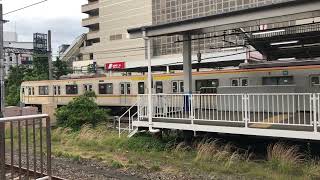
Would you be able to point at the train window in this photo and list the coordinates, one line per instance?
(207, 83)
(56, 90)
(315, 80)
(239, 82)
(159, 87)
(87, 87)
(177, 86)
(43, 90)
(122, 89)
(244, 82)
(181, 86)
(71, 89)
(128, 88)
(125, 88)
(141, 88)
(234, 82)
(106, 88)
(276, 81)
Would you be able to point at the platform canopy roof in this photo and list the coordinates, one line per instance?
(273, 13)
(292, 42)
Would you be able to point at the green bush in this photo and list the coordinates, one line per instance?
(80, 111)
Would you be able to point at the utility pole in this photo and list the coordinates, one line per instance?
(50, 55)
(2, 62)
(2, 125)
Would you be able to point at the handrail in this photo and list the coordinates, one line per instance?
(128, 111)
(20, 118)
(135, 104)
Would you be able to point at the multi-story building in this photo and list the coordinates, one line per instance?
(107, 40)
(16, 52)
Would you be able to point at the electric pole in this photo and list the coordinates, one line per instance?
(50, 55)
(2, 62)
(2, 125)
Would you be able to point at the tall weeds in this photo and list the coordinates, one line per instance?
(214, 151)
(284, 158)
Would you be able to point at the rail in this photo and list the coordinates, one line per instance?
(28, 155)
(273, 110)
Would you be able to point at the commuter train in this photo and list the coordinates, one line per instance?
(122, 91)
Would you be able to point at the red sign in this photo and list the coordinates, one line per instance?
(115, 65)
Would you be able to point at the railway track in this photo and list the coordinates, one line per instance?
(17, 173)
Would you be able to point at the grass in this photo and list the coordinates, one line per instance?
(168, 154)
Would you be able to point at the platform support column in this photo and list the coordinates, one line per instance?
(315, 99)
(187, 70)
(187, 64)
(150, 104)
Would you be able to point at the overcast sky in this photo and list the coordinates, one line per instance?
(63, 17)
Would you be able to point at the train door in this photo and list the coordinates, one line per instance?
(177, 87)
(125, 90)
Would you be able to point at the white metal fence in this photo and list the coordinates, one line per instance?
(295, 109)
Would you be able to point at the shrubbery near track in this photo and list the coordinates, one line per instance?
(80, 111)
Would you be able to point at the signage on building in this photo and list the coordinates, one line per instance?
(115, 65)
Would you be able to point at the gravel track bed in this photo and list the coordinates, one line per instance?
(93, 170)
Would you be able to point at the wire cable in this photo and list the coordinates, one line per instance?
(25, 7)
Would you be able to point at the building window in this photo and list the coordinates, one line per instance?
(106, 88)
(91, 56)
(71, 89)
(115, 37)
(43, 90)
(277, 81)
(141, 88)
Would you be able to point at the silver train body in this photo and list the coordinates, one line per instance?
(122, 91)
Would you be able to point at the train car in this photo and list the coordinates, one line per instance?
(122, 91)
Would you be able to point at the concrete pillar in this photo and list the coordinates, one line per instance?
(187, 63)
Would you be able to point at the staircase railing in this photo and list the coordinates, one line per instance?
(131, 115)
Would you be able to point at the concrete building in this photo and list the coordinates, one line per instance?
(108, 45)
(16, 52)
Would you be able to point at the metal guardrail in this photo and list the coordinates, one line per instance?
(29, 145)
(289, 109)
(130, 115)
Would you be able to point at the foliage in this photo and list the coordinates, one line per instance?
(284, 158)
(60, 68)
(18, 74)
(80, 111)
(13, 84)
(222, 161)
(39, 70)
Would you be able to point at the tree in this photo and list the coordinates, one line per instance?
(60, 68)
(80, 111)
(13, 84)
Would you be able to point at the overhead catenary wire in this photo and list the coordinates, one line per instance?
(25, 7)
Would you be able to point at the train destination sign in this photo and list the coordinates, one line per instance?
(115, 65)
